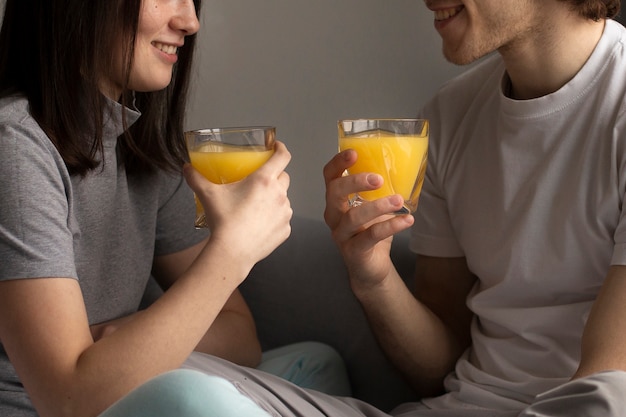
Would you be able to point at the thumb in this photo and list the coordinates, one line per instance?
(194, 179)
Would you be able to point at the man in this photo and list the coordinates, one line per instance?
(520, 300)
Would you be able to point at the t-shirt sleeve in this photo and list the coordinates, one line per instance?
(619, 250)
(35, 234)
(432, 233)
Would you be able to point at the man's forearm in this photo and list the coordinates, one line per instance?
(414, 339)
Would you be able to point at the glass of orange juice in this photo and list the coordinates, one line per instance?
(225, 155)
(396, 149)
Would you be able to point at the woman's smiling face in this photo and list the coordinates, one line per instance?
(162, 28)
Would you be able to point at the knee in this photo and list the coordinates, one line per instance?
(311, 358)
(185, 393)
(321, 354)
(309, 364)
(326, 369)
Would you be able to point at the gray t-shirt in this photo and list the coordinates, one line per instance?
(103, 229)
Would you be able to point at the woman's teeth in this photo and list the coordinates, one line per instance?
(168, 49)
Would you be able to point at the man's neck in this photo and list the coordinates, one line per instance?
(541, 62)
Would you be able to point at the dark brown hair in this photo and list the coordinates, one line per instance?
(54, 52)
(596, 9)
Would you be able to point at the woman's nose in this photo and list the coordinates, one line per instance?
(186, 19)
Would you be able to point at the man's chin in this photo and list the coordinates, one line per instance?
(461, 58)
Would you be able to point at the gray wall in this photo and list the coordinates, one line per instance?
(301, 65)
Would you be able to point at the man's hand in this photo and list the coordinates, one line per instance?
(363, 233)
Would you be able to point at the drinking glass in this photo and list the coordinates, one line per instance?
(396, 149)
(225, 155)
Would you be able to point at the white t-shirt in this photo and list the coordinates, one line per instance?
(530, 193)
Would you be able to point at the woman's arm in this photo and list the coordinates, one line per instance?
(43, 321)
(45, 332)
(233, 334)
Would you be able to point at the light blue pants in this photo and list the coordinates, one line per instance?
(185, 393)
(192, 391)
(309, 365)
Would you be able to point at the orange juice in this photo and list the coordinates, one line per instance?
(225, 155)
(399, 159)
(221, 163)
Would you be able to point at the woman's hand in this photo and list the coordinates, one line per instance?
(364, 233)
(252, 215)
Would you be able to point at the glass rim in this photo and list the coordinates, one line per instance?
(230, 129)
(385, 119)
(399, 127)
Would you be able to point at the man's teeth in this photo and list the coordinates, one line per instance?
(447, 13)
(168, 49)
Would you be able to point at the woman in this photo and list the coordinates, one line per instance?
(92, 98)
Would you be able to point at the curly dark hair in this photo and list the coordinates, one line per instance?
(596, 9)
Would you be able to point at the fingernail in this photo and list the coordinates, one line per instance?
(396, 200)
(374, 179)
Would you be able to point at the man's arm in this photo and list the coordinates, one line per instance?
(424, 334)
(604, 338)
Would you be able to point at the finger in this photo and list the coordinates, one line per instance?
(392, 225)
(339, 190)
(284, 179)
(277, 162)
(195, 180)
(380, 231)
(338, 164)
(336, 202)
(366, 216)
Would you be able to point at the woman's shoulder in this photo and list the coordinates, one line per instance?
(23, 143)
(18, 126)
(14, 109)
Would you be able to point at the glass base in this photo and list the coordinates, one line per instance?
(201, 222)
